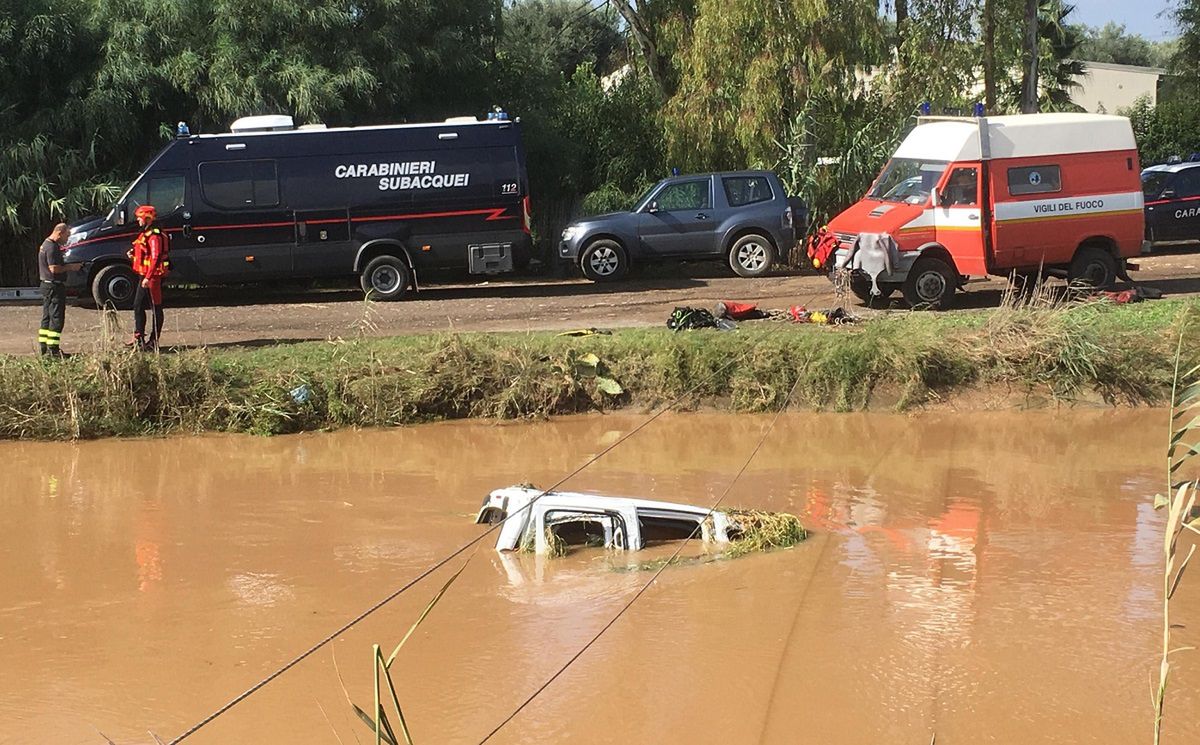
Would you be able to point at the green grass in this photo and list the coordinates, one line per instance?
(1121, 354)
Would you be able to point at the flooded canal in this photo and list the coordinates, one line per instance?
(988, 577)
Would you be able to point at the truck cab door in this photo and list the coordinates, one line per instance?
(168, 193)
(679, 220)
(958, 218)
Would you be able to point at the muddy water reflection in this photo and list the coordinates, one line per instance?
(988, 577)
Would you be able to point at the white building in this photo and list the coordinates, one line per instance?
(1104, 87)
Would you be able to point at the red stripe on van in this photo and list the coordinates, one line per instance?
(495, 213)
(1168, 201)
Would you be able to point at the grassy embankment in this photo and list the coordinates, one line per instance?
(1091, 351)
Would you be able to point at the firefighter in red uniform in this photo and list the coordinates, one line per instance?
(149, 256)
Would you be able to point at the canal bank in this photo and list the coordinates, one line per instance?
(1096, 353)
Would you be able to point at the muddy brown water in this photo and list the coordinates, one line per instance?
(988, 577)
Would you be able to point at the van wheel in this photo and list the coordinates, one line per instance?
(114, 285)
(751, 255)
(1092, 267)
(603, 261)
(860, 285)
(930, 284)
(386, 278)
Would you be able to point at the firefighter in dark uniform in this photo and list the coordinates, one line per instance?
(52, 271)
(149, 256)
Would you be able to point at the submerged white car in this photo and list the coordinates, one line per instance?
(619, 523)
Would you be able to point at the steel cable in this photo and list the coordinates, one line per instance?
(654, 577)
(495, 526)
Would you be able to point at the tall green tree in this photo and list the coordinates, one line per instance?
(748, 68)
(50, 153)
(1114, 44)
(1186, 61)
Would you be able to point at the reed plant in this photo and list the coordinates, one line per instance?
(1179, 501)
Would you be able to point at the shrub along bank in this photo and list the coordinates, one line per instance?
(1119, 354)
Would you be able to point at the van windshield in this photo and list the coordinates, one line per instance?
(907, 180)
(1153, 183)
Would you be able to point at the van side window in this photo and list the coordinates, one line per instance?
(239, 185)
(743, 190)
(1034, 180)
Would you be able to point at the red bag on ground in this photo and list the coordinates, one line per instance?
(738, 311)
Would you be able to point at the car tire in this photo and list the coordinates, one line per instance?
(860, 285)
(931, 283)
(751, 255)
(386, 278)
(604, 261)
(114, 286)
(1092, 268)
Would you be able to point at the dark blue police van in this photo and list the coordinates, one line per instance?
(1172, 199)
(269, 201)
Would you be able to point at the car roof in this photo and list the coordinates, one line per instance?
(1172, 167)
(723, 174)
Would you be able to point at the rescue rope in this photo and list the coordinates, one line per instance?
(683, 544)
(494, 527)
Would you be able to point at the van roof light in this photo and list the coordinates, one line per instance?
(268, 123)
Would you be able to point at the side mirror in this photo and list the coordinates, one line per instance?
(652, 208)
(121, 215)
(1168, 194)
(937, 198)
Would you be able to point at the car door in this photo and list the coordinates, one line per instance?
(678, 220)
(1154, 184)
(1179, 207)
(243, 232)
(958, 219)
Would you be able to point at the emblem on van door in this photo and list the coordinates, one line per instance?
(1035, 178)
(509, 188)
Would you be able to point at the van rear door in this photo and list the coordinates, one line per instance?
(958, 218)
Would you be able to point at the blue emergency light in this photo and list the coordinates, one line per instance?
(182, 130)
(925, 108)
(979, 111)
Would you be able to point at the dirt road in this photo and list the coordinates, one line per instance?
(254, 316)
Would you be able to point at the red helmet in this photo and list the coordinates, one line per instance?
(147, 211)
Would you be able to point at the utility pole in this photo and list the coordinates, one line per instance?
(1029, 86)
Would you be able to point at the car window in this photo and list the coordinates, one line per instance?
(1187, 183)
(241, 184)
(1153, 183)
(961, 187)
(907, 180)
(1034, 180)
(166, 193)
(688, 195)
(743, 190)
